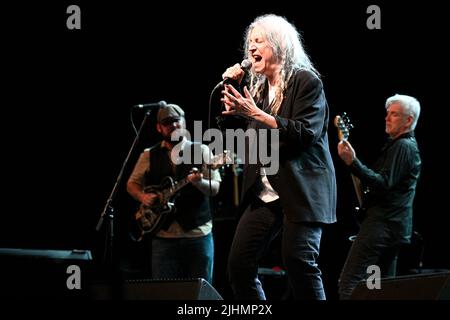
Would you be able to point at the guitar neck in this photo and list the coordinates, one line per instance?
(217, 162)
(358, 190)
(343, 126)
(179, 185)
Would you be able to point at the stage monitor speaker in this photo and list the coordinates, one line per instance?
(44, 273)
(432, 286)
(178, 289)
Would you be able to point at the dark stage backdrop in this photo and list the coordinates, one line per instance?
(68, 94)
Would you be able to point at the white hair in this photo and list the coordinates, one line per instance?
(287, 46)
(410, 106)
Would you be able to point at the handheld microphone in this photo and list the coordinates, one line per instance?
(246, 64)
(160, 104)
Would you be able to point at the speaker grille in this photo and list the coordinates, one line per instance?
(176, 289)
(435, 286)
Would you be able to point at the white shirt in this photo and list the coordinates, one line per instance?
(268, 194)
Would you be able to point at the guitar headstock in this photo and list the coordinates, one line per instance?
(343, 126)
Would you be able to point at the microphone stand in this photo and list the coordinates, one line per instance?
(108, 211)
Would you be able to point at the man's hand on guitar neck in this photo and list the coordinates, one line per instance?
(346, 152)
(195, 177)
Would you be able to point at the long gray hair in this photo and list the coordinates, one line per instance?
(286, 43)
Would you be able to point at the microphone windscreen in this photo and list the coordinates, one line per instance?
(246, 64)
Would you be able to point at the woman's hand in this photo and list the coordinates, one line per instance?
(235, 72)
(236, 104)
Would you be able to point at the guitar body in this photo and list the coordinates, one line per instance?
(150, 219)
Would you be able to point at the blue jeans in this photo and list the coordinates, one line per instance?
(183, 258)
(257, 227)
(375, 244)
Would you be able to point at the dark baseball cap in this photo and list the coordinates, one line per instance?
(169, 112)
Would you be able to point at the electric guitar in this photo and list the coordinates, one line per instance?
(344, 126)
(150, 219)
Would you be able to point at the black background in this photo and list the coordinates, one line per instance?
(68, 94)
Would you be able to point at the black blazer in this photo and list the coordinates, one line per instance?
(306, 181)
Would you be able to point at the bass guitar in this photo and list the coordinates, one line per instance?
(344, 126)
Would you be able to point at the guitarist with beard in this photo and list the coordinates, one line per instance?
(392, 182)
(184, 246)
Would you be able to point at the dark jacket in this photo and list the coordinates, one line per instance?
(392, 185)
(305, 181)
